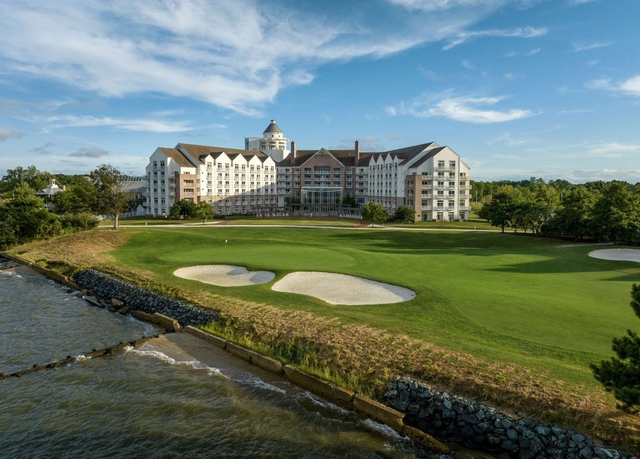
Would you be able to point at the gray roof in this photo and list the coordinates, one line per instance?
(273, 127)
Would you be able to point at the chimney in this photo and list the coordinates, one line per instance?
(293, 149)
(357, 149)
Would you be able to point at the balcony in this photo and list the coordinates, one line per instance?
(465, 208)
(465, 187)
(427, 207)
(444, 169)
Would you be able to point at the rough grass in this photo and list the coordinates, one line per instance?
(512, 321)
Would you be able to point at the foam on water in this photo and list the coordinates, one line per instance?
(259, 383)
(195, 364)
(323, 403)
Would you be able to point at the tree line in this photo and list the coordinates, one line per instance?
(603, 211)
(24, 215)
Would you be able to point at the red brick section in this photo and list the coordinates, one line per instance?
(222, 223)
(362, 225)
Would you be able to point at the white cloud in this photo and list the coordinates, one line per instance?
(236, 54)
(436, 5)
(630, 86)
(532, 52)
(579, 2)
(590, 175)
(466, 63)
(8, 133)
(466, 109)
(611, 150)
(146, 125)
(577, 47)
(519, 32)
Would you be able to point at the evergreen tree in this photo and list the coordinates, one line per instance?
(621, 374)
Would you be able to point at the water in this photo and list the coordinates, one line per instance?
(156, 401)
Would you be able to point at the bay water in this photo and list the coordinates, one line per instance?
(155, 401)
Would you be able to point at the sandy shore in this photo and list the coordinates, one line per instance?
(186, 349)
(225, 275)
(617, 254)
(342, 289)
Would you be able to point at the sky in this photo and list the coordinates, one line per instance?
(518, 88)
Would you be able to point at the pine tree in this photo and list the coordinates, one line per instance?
(621, 374)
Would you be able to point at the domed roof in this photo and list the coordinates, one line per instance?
(273, 127)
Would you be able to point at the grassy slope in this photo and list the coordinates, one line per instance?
(504, 297)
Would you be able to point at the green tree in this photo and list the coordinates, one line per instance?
(374, 213)
(499, 211)
(81, 197)
(24, 217)
(616, 214)
(404, 214)
(31, 176)
(621, 374)
(112, 198)
(184, 208)
(203, 211)
(349, 201)
(573, 218)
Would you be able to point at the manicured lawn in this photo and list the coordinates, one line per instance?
(510, 298)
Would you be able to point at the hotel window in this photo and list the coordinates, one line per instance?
(452, 164)
(452, 204)
(440, 164)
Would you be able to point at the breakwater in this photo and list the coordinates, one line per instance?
(110, 350)
(455, 419)
(135, 298)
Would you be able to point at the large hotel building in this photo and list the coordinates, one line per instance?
(272, 176)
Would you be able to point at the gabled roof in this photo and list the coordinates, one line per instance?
(177, 156)
(428, 156)
(202, 151)
(348, 157)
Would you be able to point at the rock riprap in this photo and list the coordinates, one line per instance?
(134, 297)
(455, 419)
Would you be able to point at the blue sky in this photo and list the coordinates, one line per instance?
(518, 88)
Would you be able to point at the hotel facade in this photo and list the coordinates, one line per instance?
(272, 176)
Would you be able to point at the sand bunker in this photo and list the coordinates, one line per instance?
(617, 254)
(342, 289)
(225, 275)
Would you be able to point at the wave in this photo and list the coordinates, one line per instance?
(260, 384)
(195, 364)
